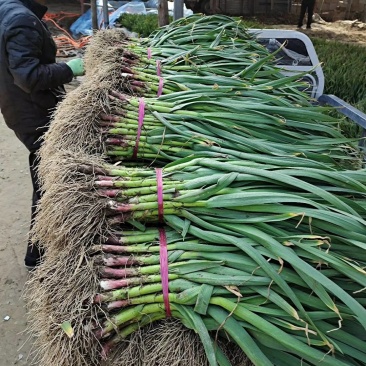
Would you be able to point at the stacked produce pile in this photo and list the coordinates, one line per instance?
(233, 205)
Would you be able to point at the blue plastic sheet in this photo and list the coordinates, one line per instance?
(83, 25)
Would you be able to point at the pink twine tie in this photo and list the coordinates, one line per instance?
(141, 123)
(161, 85)
(159, 182)
(158, 67)
(164, 269)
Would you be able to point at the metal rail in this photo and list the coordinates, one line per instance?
(343, 107)
(349, 111)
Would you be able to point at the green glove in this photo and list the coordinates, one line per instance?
(77, 66)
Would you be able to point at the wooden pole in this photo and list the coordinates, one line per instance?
(321, 8)
(105, 14)
(349, 8)
(163, 13)
(178, 9)
(94, 14)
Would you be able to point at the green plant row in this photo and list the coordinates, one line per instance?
(141, 24)
(343, 66)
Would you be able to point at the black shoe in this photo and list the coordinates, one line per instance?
(31, 263)
(308, 27)
(33, 256)
(299, 26)
(30, 268)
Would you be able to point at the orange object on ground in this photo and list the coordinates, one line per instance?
(65, 43)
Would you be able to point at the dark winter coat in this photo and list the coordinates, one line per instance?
(30, 80)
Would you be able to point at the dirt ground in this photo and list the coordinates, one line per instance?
(352, 32)
(349, 31)
(15, 201)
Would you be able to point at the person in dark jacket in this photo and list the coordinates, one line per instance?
(31, 83)
(306, 6)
